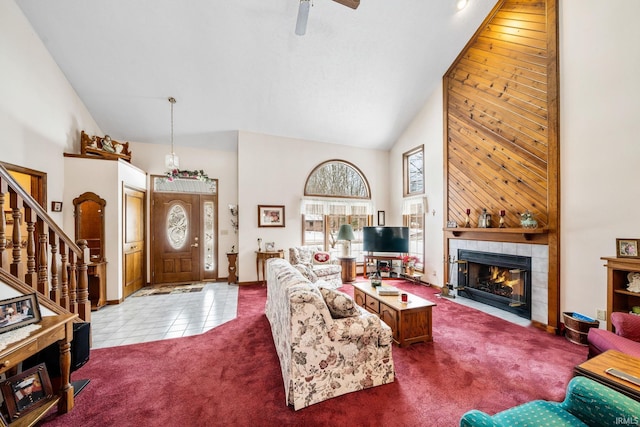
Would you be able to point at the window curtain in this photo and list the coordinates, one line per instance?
(414, 206)
(313, 206)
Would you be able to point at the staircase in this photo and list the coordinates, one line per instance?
(37, 255)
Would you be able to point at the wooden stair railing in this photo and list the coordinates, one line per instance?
(39, 253)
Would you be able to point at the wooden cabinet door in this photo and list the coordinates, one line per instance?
(134, 236)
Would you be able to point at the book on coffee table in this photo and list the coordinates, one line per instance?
(388, 290)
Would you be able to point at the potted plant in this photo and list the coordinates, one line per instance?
(409, 263)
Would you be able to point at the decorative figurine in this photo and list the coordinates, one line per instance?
(467, 220)
(527, 220)
(502, 214)
(484, 220)
(634, 282)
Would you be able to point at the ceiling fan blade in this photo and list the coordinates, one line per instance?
(303, 16)
(353, 4)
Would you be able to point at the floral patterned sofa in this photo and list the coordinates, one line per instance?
(316, 264)
(327, 345)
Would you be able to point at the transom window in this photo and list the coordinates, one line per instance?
(413, 171)
(337, 178)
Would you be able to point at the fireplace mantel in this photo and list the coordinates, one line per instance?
(530, 235)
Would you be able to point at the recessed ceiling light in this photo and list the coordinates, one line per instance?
(461, 4)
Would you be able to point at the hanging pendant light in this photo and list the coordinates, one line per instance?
(171, 161)
(303, 16)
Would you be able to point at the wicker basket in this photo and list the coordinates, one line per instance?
(577, 327)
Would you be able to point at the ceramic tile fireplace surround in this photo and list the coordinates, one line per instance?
(526, 265)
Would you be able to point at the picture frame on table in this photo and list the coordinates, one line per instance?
(271, 216)
(19, 311)
(26, 391)
(381, 218)
(270, 246)
(627, 248)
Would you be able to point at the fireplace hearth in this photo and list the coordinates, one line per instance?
(499, 280)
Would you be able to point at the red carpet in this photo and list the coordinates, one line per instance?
(231, 375)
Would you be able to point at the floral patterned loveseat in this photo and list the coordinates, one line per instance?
(324, 352)
(316, 264)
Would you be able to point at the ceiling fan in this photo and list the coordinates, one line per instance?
(303, 13)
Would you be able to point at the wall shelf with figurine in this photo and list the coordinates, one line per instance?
(96, 147)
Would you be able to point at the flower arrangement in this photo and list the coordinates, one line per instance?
(409, 259)
(185, 174)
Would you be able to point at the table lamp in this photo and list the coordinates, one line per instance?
(346, 233)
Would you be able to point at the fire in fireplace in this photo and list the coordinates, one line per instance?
(500, 280)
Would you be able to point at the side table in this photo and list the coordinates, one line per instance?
(595, 368)
(232, 259)
(262, 257)
(348, 265)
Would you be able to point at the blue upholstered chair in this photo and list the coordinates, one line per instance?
(587, 403)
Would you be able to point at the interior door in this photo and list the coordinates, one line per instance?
(176, 239)
(134, 237)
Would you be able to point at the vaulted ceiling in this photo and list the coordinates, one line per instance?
(357, 77)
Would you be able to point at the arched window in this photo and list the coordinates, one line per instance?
(337, 178)
(336, 192)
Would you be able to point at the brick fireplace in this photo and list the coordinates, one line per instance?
(533, 273)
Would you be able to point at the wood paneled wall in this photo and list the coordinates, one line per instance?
(501, 126)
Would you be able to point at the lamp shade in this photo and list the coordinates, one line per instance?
(346, 232)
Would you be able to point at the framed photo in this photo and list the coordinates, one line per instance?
(270, 216)
(270, 246)
(380, 218)
(8, 217)
(627, 248)
(452, 224)
(27, 391)
(56, 206)
(18, 312)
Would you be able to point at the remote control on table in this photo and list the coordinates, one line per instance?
(623, 375)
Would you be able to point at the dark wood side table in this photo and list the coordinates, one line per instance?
(595, 367)
(97, 275)
(262, 257)
(232, 258)
(57, 328)
(348, 265)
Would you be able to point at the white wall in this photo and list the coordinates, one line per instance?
(426, 129)
(273, 171)
(40, 114)
(599, 148)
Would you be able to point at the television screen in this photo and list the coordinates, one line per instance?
(385, 239)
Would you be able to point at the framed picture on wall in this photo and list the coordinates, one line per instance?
(627, 248)
(270, 216)
(56, 206)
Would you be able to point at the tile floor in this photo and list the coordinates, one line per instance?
(157, 317)
(494, 311)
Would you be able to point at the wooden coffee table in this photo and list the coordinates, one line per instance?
(595, 367)
(410, 322)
